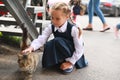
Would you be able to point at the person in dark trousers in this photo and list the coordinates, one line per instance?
(66, 48)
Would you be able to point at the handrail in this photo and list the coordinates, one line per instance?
(19, 13)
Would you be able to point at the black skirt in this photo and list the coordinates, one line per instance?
(57, 50)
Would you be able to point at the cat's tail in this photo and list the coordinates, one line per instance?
(24, 44)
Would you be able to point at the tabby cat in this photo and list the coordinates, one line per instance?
(27, 62)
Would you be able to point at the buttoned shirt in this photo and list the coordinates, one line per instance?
(78, 41)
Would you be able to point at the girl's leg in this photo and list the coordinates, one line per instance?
(56, 51)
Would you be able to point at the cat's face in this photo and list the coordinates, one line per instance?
(25, 62)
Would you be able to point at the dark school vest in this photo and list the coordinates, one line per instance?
(66, 35)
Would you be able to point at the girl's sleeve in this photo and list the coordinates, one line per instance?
(41, 40)
(79, 48)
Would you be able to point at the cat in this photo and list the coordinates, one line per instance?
(27, 62)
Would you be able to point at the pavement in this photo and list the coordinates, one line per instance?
(101, 50)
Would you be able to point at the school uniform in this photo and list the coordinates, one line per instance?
(65, 46)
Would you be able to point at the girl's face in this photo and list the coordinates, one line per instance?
(58, 18)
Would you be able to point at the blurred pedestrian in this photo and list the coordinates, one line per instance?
(93, 7)
(37, 2)
(77, 9)
(117, 27)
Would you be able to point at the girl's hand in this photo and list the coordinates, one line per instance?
(30, 49)
(66, 65)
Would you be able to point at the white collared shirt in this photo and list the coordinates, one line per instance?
(78, 41)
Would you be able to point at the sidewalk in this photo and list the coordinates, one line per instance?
(101, 50)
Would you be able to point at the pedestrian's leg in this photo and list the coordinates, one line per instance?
(74, 18)
(90, 15)
(100, 15)
(117, 31)
(91, 11)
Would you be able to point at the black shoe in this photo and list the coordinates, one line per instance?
(88, 29)
(105, 29)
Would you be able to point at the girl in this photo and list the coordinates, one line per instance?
(66, 48)
(76, 9)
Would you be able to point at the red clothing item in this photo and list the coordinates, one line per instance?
(1, 2)
(39, 14)
(2, 12)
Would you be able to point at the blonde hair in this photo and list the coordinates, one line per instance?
(66, 10)
(63, 7)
